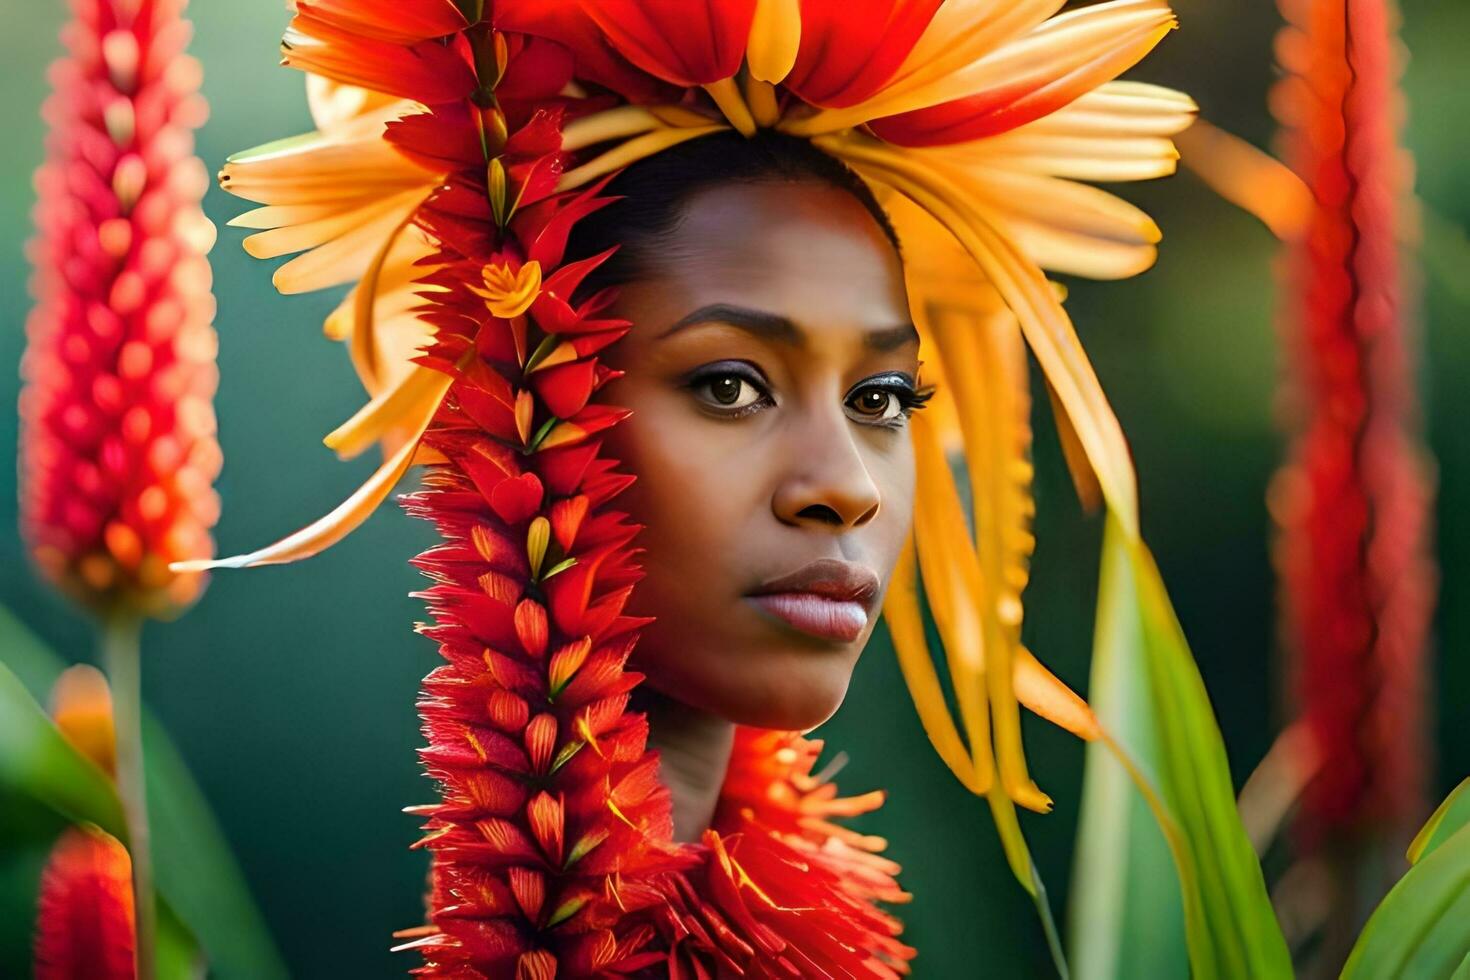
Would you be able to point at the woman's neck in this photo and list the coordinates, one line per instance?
(694, 751)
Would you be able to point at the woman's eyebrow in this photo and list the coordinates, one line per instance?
(773, 326)
(769, 325)
(892, 338)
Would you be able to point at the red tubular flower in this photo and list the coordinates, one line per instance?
(118, 443)
(1353, 500)
(84, 929)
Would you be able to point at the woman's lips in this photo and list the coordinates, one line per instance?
(829, 598)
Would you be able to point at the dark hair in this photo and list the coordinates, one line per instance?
(652, 192)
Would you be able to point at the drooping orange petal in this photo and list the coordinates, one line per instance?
(906, 628)
(347, 516)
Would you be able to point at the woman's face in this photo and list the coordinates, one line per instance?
(770, 368)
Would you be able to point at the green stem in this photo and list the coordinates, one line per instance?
(121, 655)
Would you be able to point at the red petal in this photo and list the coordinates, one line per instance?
(427, 72)
(690, 43)
(517, 499)
(566, 520)
(567, 24)
(389, 20)
(530, 622)
(565, 388)
(850, 48)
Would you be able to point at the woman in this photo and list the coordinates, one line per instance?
(727, 320)
(770, 373)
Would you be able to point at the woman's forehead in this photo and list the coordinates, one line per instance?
(807, 251)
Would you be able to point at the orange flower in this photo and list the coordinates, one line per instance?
(118, 431)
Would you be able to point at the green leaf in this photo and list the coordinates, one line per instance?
(1144, 665)
(1126, 916)
(1422, 926)
(196, 873)
(1449, 817)
(36, 760)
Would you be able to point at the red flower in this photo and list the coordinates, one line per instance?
(84, 929)
(118, 436)
(1353, 501)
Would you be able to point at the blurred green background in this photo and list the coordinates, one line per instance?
(290, 691)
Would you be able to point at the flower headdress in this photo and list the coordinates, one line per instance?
(457, 143)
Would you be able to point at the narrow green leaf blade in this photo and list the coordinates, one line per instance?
(1230, 928)
(1422, 926)
(1447, 818)
(1126, 916)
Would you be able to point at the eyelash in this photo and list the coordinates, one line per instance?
(910, 399)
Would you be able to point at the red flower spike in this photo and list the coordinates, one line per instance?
(118, 445)
(565, 388)
(1354, 500)
(84, 926)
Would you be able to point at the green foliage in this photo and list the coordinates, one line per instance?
(198, 879)
(1144, 670)
(1421, 929)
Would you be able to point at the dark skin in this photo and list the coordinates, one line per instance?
(770, 370)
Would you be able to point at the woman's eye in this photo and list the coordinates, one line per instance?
(727, 391)
(876, 405)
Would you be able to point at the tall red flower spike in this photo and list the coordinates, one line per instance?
(84, 928)
(118, 433)
(1353, 501)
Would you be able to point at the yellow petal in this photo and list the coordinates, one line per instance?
(385, 329)
(631, 152)
(599, 127)
(342, 521)
(951, 576)
(985, 365)
(906, 627)
(727, 96)
(1048, 331)
(389, 409)
(775, 37)
(349, 255)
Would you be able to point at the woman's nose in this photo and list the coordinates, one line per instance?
(828, 483)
